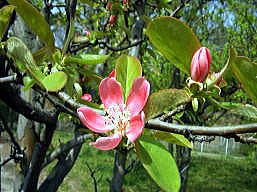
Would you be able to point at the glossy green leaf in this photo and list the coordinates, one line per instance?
(78, 89)
(55, 81)
(86, 59)
(127, 69)
(34, 20)
(164, 100)
(23, 58)
(173, 138)
(5, 15)
(246, 73)
(28, 83)
(159, 163)
(174, 39)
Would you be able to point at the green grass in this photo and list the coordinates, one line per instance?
(205, 175)
(223, 175)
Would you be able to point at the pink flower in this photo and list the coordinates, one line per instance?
(200, 65)
(121, 118)
(86, 97)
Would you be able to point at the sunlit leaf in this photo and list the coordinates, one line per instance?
(35, 21)
(23, 58)
(164, 100)
(173, 138)
(86, 59)
(174, 39)
(127, 69)
(159, 163)
(246, 73)
(55, 81)
(5, 15)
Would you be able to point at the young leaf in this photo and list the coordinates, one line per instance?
(246, 73)
(174, 39)
(23, 58)
(34, 20)
(159, 163)
(55, 81)
(5, 15)
(173, 138)
(86, 59)
(164, 100)
(127, 69)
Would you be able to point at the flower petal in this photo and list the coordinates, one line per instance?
(93, 120)
(136, 127)
(138, 95)
(110, 92)
(107, 143)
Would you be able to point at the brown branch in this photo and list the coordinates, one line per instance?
(241, 139)
(156, 124)
(173, 112)
(65, 148)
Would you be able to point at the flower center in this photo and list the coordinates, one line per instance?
(118, 116)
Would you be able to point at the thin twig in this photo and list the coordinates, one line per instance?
(173, 112)
(65, 147)
(241, 139)
(92, 175)
(6, 161)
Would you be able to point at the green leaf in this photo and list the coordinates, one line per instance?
(195, 104)
(159, 163)
(23, 58)
(55, 81)
(86, 59)
(246, 110)
(246, 73)
(78, 89)
(34, 20)
(164, 100)
(28, 83)
(5, 15)
(174, 39)
(127, 69)
(173, 138)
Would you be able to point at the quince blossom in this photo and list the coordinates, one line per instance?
(122, 119)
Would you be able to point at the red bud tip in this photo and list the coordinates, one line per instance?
(113, 19)
(86, 97)
(112, 74)
(109, 6)
(200, 65)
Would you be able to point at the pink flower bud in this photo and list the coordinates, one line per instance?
(200, 65)
(86, 97)
(112, 19)
(87, 33)
(109, 5)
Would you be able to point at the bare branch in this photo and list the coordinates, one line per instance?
(173, 112)
(92, 175)
(6, 161)
(66, 147)
(241, 139)
(156, 124)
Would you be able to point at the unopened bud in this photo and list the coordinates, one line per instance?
(113, 19)
(200, 65)
(87, 33)
(86, 97)
(109, 6)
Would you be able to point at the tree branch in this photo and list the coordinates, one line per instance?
(11, 97)
(65, 148)
(241, 139)
(156, 124)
